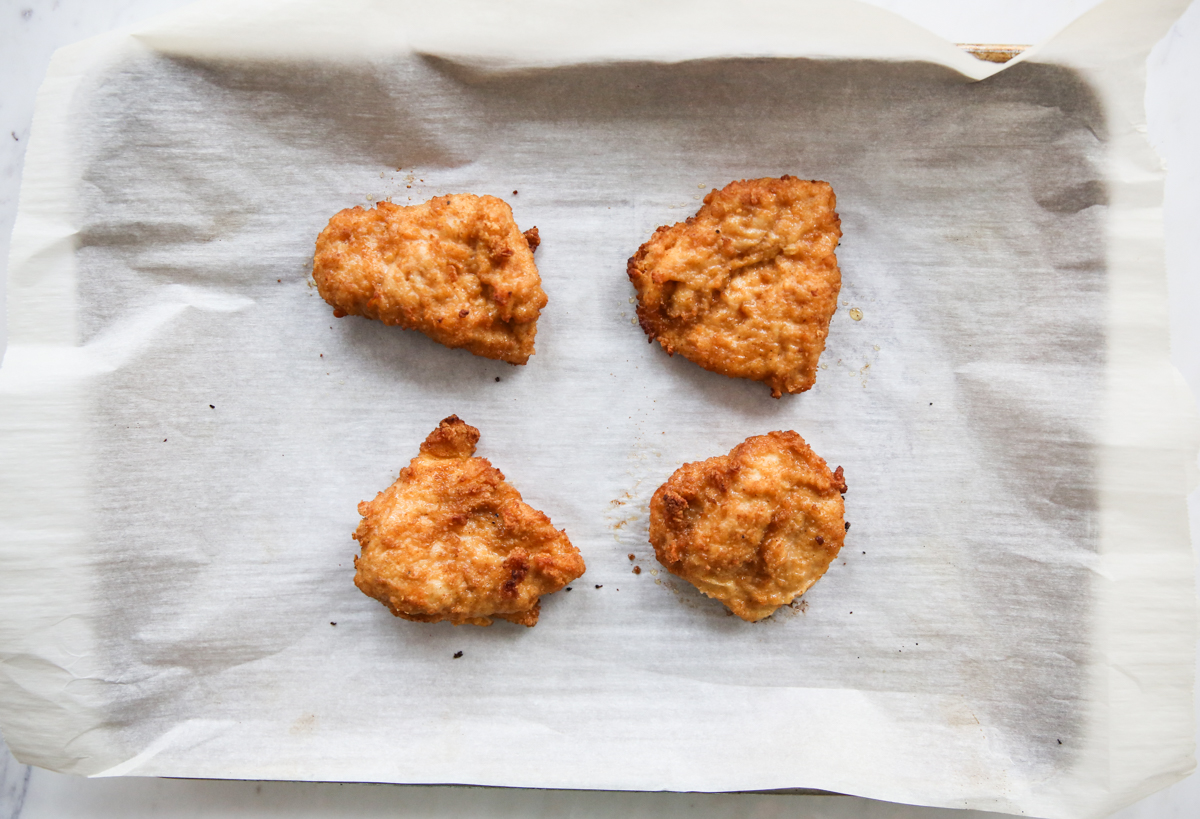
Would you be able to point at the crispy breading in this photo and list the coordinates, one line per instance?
(457, 268)
(452, 540)
(747, 286)
(754, 528)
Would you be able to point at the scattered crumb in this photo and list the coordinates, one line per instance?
(637, 569)
(457, 654)
(332, 623)
(599, 586)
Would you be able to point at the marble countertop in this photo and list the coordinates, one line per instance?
(30, 31)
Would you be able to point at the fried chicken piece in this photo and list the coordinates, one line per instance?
(747, 286)
(451, 540)
(754, 528)
(457, 268)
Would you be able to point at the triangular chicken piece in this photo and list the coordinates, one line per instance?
(747, 286)
(452, 540)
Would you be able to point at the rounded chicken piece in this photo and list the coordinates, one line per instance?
(754, 528)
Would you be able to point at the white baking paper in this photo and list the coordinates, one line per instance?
(187, 429)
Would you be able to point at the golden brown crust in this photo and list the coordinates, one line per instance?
(747, 286)
(754, 528)
(457, 268)
(452, 540)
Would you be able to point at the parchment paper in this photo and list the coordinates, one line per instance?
(187, 430)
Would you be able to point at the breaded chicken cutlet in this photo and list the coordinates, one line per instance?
(747, 286)
(452, 540)
(754, 528)
(457, 268)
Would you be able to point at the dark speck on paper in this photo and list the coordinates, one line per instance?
(332, 623)
(599, 586)
(497, 379)
(210, 406)
(457, 654)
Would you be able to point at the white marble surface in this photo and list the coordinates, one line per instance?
(30, 31)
